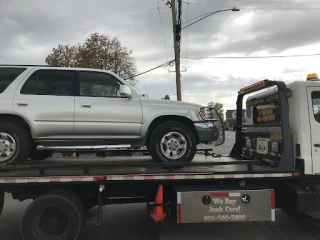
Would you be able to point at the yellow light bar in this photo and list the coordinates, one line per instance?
(312, 76)
(252, 85)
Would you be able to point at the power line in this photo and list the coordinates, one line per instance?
(205, 14)
(196, 17)
(225, 57)
(224, 10)
(284, 2)
(164, 41)
(282, 9)
(248, 57)
(130, 12)
(254, 1)
(134, 11)
(257, 8)
(275, 9)
(170, 63)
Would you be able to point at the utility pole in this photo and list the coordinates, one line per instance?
(176, 41)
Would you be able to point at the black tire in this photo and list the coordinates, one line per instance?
(75, 198)
(40, 155)
(23, 143)
(1, 201)
(165, 128)
(49, 210)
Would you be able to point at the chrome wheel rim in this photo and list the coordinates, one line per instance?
(173, 145)
(8, 146)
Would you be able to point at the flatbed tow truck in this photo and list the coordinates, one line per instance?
(246, 186)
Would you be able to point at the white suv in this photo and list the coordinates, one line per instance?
(43, 109)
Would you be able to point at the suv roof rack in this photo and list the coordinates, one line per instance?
(23, 65)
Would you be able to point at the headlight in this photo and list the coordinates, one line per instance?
(206, 113)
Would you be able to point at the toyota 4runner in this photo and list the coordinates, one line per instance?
(44, 109)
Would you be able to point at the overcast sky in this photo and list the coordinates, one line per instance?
(30, 28)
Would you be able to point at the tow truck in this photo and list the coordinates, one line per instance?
(274, 163)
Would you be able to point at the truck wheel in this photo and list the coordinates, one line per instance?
(51, 217)
(40, 155)
(172, 142)
(1, 201)
(74, 198)
(15, 144)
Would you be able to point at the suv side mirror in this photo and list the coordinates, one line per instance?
(125, 91)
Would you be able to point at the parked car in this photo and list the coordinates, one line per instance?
(43, 109)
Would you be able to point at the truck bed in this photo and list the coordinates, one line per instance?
(137, 168)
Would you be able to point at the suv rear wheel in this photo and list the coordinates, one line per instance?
(15, 144)
(172, 142)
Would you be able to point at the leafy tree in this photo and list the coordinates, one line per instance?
(98, 51)
(63, 56)
(210, 104)
(219, 108)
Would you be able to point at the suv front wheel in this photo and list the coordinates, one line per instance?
(172, 142)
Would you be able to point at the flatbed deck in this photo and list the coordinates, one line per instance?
(121, 168)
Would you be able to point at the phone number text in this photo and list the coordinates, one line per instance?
(210, 218)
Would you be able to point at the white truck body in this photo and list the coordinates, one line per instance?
(304, 126)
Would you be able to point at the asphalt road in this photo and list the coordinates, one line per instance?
(130, 221)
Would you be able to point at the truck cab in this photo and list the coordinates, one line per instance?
(264, 140)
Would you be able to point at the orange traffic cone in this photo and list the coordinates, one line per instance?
(157, 214)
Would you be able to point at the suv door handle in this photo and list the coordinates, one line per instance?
(22, 104)
(317, 145)
(86, 106)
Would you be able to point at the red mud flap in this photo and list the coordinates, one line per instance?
(1, 200)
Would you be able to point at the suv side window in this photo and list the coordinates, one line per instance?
(50, 82)
(8, 75)
(95, 84)
(316, 105)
